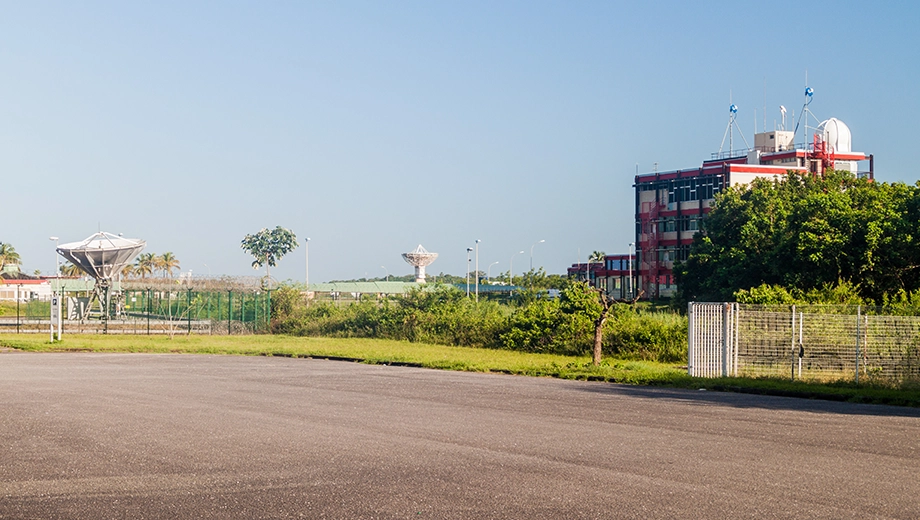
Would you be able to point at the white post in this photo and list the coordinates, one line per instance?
(632, 245)
(307, 277)
(726, 339)
(792, 367)
(468, 251)
(858, 313)
(691, 340)
(477, 269)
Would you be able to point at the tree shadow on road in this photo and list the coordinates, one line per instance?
(749, 400)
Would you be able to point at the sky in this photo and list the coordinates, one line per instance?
(372, 127)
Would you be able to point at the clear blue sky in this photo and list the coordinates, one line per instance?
(371, 127)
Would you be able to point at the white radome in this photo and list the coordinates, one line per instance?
(836, 134)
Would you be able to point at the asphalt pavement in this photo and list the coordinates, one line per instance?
(185, 436)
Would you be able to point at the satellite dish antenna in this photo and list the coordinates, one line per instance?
(420, 258)
(102, 256)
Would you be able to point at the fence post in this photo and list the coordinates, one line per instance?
(735, 321)
(229, 310)
(148, 310)
(691, 337)
(725, 339)
(858, 313)
(188, 310)
(18, 298)
(792, 364)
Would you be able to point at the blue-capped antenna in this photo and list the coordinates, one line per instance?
(809, 91)
(733, 109)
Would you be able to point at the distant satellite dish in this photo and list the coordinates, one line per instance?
(733, 109)
(809, 91)
(782, 109)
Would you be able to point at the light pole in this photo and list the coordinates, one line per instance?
(307, 275)
(489, 271)
(209, 290)
(387, 271)
(630, 260)
(531, 253)
(57, 258)
(511, 268)
(468, 251)
(477, 268)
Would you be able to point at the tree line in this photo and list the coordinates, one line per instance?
(831, 238)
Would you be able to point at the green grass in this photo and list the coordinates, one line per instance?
(464, 359)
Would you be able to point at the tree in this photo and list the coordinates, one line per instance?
(805, 232)
(146, 263)
(269, 246)
(8, 255)
(167, 262)
(597, 257)
(69, 269)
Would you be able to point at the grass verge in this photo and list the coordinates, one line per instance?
(464, 359)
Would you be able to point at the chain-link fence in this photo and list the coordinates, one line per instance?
(803, 342)
(146, 311)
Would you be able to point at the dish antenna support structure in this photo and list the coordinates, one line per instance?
(420, 258)
(102, 256)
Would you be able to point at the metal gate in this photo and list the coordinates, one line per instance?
(713, 337)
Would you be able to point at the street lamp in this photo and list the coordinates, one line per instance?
(468, 251)
(477, 268)
(489, 271)
(387, 271)
(632, 245)
(531, 253)
(511, 268)
(307, 277)
(57, 258)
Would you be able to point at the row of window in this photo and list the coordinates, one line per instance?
(669, 254)
(682, 190)
(670, 224)
(697, 188)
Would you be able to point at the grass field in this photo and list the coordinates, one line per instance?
(461, 358)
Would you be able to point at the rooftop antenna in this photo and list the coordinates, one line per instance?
(764, 103)
(782, 110)
(729, 131)
(809, 95)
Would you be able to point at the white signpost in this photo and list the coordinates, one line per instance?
(56, 316)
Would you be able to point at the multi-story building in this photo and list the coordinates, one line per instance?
(670, 205)
(614, 275)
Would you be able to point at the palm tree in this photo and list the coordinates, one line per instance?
(596, 257)
(127, 271)
(69, 269)
(146, 264)
(8, 255)
(168, 262)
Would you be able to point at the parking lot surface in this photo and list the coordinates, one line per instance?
(184, 436)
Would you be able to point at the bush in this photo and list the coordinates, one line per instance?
(444, 315)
